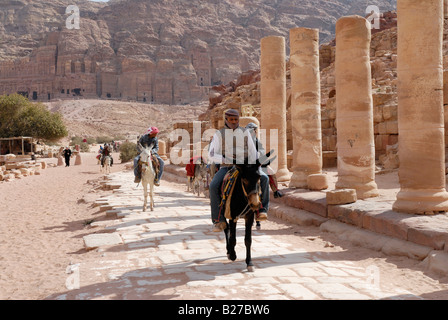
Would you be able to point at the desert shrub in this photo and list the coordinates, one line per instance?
(75, 140)
(119, 137)
(128, 151)
(84, 147)
(104, 139)
(91, 140)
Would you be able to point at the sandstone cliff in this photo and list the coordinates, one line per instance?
(160, 51)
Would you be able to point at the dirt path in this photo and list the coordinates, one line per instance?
(42, 226)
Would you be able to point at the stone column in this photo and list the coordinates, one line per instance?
(78, 160)
(162, 150)
(60, 160)
(445, 9)
(305, 105)
(273, 100)
(354, 107)
(420, 108)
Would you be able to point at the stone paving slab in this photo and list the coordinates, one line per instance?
(171, 253)
(93, 241)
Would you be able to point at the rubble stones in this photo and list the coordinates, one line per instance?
(13, 169)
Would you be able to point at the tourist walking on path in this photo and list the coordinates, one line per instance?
(67, 153)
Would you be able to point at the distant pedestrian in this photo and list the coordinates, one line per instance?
(67, 153)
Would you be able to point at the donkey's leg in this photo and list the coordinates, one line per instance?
(248, 241)
(151, 196)
(226, 234)
(231, 253)
(145, 195)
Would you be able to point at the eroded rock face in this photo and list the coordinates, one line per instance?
(152, 51)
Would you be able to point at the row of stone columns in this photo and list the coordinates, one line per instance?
(420, 106)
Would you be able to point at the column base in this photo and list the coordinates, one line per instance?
(298, 180)
(363, 191)
(283, 175)
(78, 160)
(421, 201)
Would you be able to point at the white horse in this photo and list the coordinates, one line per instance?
(148, 175)
(106, 164)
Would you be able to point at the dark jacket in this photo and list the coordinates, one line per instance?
(67, 153)
(146, 141)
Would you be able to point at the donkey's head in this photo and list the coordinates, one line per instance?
(250, 177)
(145, 156)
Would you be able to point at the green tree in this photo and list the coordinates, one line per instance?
(20, 117)
(10, 107)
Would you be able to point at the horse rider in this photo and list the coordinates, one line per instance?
(252, 128)
(150, 137)
(218, 153)
(106, 152)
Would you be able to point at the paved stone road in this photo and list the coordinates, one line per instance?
(171, 253)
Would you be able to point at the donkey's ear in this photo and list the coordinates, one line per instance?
(266, 163)
(269, 153)
(265, 157)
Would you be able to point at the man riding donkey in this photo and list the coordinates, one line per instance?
(225, 153)
(107, 151)
(149, 138)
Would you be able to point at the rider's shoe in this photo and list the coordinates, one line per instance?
(261, 216)
(278, 194)
(157, 183)
(219, 226)
(137, 179)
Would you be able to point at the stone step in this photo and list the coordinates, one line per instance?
(374, 216)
